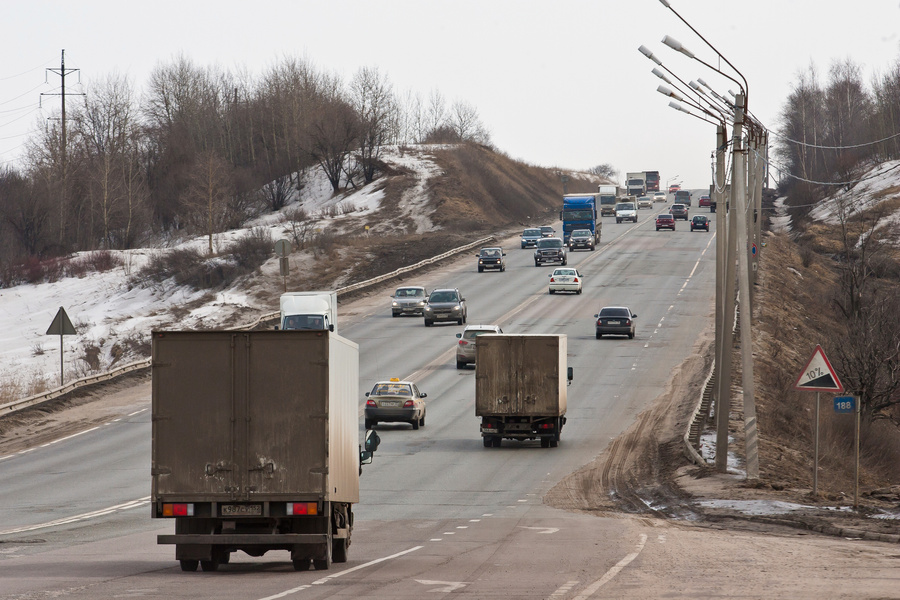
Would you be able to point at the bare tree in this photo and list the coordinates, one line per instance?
(605, 170)
(333, 136)
(372, 98)
(207, 195)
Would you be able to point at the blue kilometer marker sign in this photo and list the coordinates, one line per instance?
(844, 404)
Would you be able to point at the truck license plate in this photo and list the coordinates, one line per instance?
(253, 510)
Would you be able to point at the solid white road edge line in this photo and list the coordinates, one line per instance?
(591, 589)
(90, 515)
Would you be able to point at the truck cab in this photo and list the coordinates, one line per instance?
(308, 310)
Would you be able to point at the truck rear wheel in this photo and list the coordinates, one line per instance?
(189, 565)
(487, 444)
(545, 442)
(301, 564)
(496, 441)
(209, 565)
(554, 442)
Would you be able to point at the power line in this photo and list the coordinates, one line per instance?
(787, 173)
(835, 147)
(40, 66)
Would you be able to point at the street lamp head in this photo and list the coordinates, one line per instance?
(646, 52)
(696, 87)
(665, 3)
(661, 75)
(732, 94)
(677, 46)
(677, 106)
(667, 92)
(703, 83)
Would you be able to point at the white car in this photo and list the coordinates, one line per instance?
(465, 347)
(566, 280)
(659, 196)
(626, 211)
(645, 202)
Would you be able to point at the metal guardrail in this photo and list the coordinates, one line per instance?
(85, 382)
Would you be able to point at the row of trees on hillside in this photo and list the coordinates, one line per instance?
(193, 151)
(827, 130)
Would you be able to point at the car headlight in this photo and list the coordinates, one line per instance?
(428, 309)
(395, 303)
(421, 303)
(456, 307)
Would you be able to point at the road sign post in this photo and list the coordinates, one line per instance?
(61, 326)
(282, 249)
(818, 376)
(849, 405)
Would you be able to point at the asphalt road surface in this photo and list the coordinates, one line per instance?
(439, 513)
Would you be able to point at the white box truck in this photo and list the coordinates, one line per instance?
(309, 310)
(255, 444)
(520, 387)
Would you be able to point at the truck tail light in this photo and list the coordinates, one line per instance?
(546, 426)
(371, 403)
(302, 508)
(178, 510)
(409, 404)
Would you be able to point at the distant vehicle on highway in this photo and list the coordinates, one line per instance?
(581, 238)
(395, 401)
(665, 221)
(530, 237)
(566, 280)
(700, 222)
(465, 347)
(659, 196)
(674, 188)
(491, 258)
(547, 231)
(550, 250)
(615, 320)
(679, 211)
(445, 305)
(626, 211)
(644, 202)
(408, 300)
(683, 197)
(704, 201)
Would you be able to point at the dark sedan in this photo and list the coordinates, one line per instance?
(615, 320)
(581, 238)
(700, 222)
(679, 211)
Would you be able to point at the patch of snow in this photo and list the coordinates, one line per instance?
(887, 515)
(708, 452)
(766, 507)
(780, 222)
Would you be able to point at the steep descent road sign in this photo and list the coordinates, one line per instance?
(818, 375)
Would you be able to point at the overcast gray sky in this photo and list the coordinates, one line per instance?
(557, 83)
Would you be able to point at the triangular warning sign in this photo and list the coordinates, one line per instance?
(818, 375)
(61, 324)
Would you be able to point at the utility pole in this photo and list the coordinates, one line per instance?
(723, 318)
(739, 188)
(62, 72)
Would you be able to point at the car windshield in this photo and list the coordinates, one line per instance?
(550, 243)
(448, 296)
(531, 233)
(581, 233)
(644, 198)
(625, 206)
(491, 252)
(304, 322)
(391, 389)
(665, 218)
(564, 272)
(699, 219)
(614, 312)
(409, 293)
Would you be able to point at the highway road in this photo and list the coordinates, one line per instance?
(439, 513)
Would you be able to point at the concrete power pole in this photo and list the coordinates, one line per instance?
(723, 320)
(62, 72)
(739, 189)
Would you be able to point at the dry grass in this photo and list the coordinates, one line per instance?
(794, 313)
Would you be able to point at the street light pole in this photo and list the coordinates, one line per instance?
(722, 371)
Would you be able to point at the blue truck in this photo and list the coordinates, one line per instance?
(580, 212)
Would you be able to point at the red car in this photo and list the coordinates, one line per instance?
(704, 201)
(665, 221)
(674, 188)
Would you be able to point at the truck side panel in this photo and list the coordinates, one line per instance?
(520, 375)
(343, 432)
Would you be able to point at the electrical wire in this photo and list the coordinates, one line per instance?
(835, 147)
(41, 66)
(787, 173)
